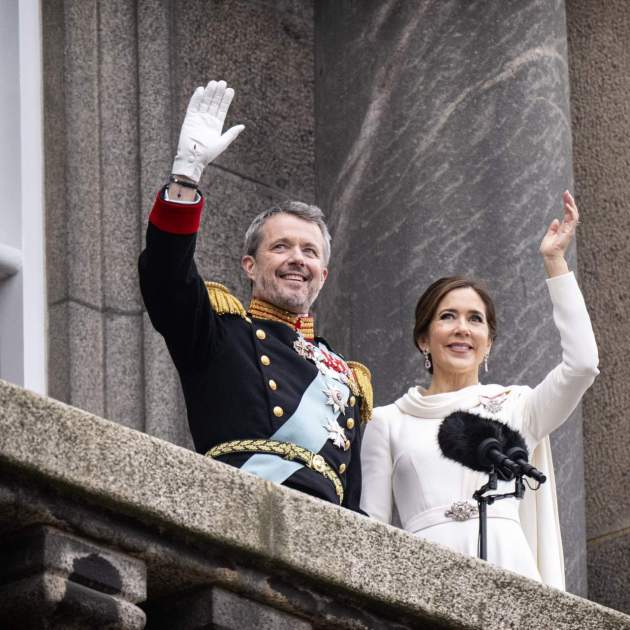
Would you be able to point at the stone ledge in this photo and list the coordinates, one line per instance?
(172, 503)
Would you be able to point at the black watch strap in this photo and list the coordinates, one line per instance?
(174, 179)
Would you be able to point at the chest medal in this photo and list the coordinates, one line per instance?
(327, 363)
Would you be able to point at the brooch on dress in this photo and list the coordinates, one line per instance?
(462, 511)
(494, 404)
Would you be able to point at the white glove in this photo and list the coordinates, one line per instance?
(200, 139)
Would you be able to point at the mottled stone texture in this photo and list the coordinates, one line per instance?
(232, 550)
(600, 83)
(445, 150)
(118, 76)
(218, 608)
(608, 562)
(52, 579)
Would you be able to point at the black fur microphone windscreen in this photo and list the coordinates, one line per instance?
(461, 433)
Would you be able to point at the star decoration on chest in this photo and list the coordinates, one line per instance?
(336, 399)
(337, 435)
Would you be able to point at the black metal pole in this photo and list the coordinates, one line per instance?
(482, 506)
(483, 530)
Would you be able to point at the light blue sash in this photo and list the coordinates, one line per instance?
(306, 428)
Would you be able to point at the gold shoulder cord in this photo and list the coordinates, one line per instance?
(363, 378)
(222, 301)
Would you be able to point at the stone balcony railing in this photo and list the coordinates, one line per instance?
(105, 527)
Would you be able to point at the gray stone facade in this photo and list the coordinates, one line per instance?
(600, 84)
(118, 78)
(438, 138)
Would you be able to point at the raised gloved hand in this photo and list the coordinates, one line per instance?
(200, 139)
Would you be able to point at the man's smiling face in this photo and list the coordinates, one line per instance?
(288, 269)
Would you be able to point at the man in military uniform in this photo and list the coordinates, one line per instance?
(263, 392)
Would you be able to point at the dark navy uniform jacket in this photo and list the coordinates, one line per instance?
(241, 375)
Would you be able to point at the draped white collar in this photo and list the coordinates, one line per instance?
(416, 403)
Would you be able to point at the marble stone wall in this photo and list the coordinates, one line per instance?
(118, 75)
(600, 84)
(443, 146)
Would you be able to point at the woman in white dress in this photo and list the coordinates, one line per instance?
(401, 460)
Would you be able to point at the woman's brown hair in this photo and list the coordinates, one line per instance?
(431, 298)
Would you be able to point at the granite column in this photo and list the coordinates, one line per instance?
(600, 82)
(443, 146)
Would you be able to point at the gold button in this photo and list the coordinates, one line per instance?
(353, 401)
(272, 384)
(350, 423)
(342, 469)
(265, 360)
(261, 334)
(278, 412)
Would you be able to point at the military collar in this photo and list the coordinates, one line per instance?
(304, 325)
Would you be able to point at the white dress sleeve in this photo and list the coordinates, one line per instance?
(376, 467)
(551, 402)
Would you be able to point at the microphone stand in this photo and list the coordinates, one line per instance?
(484, 500)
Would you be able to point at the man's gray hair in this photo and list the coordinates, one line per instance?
(304, 211)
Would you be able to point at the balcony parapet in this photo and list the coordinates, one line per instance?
(103, 526)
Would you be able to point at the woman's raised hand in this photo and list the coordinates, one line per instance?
(558, 238)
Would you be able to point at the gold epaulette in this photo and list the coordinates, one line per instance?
(363, 378)
(222, 301)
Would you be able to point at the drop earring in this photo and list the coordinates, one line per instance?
(485, 362)
(427, 359)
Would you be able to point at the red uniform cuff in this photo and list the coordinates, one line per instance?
(176, 218)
